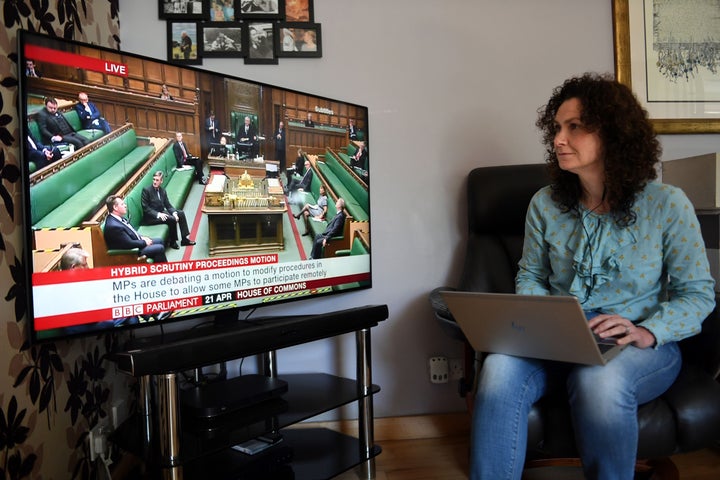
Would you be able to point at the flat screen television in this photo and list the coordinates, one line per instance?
(250, 242)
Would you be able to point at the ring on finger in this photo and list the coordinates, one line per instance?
(627, 330)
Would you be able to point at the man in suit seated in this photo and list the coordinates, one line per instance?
(41, 155)
(158, 209)
(89, 114)
(303, 182)
(55, 128)
(360, 159)
(333, 229)
(184, 160)
(120, 234)
(246, 137)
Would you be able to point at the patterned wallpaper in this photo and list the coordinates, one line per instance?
(51, 395)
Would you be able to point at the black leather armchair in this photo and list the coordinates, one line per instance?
(685, 418)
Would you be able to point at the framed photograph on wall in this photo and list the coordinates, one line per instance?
(223, 39)
(298, 39)
(299, 11)
(262, 9)
(259, 38)
(182, 43)
(666, 53)
(224, 10)
(184, 9)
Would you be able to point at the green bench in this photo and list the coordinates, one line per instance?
(74, 120)
(346, 186)
(72, 194)
(357, 190)
(358, 246)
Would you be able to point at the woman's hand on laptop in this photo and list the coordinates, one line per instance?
(607, 325)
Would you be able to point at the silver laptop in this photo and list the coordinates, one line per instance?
(546, 327)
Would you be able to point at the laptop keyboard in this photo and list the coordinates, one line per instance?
(604, 344)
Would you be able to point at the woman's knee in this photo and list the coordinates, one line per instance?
(507, 375)
(598, 388)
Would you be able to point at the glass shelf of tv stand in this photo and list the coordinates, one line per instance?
(304, 454)
(316, 453)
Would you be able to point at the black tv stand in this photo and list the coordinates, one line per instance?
(185, 448)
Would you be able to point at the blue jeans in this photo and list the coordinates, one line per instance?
(603, 405)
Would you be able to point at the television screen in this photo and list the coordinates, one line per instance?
(156, 192)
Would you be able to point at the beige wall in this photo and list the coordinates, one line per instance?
(450, 85)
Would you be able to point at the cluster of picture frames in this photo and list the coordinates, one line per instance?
(259, 31)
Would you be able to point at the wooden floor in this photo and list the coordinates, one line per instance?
(436, 448)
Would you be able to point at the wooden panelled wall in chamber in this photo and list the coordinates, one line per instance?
(298, 105)
(135, 98)
(292, 107)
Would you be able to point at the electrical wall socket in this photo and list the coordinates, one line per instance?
(456, 370)
(438, 369)
(119, 413)
(97, 441)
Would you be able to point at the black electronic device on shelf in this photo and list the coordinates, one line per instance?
(227, 396)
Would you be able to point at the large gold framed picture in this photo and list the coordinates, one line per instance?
(669, 54)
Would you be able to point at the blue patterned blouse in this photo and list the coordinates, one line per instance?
(654, 272)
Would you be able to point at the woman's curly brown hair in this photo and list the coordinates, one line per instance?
(630, 145)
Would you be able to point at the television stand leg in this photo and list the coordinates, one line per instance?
(146, 410)
(365, 403)
(168, 421)
(270, 364)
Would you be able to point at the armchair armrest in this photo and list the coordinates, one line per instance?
(443, 315)
(438, 304)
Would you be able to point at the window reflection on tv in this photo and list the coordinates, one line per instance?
(156, 192)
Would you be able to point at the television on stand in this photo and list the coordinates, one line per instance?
(249, 241)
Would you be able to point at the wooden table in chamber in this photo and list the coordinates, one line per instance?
(235, 168)
(241, 231)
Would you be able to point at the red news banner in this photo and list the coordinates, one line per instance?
(48, 55)
(135, 290)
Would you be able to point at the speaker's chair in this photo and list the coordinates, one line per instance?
(683, 419)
